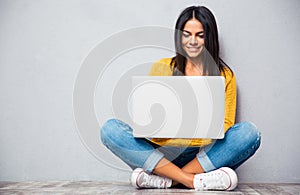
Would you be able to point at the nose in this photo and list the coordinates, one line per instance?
(193, 41)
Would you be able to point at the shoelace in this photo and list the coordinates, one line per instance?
(214, 181)
(154, 181)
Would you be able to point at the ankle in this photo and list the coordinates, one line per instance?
(189, 180)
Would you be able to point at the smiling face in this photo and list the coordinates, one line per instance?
(192, 38)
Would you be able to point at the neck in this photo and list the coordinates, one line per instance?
(194, 64)
(192, 69)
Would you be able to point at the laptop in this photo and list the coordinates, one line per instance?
(177, 106)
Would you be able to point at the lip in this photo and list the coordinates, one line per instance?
(193, 49)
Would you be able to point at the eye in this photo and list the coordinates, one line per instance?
(201, 36)
(185, 35)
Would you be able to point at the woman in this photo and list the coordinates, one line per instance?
(201, 164)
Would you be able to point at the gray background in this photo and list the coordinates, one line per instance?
(43, 43)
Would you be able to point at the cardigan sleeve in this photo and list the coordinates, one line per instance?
(230, 100)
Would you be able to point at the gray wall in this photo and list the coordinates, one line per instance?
(42, 46)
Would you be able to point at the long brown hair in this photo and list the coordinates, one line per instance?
(210, 53)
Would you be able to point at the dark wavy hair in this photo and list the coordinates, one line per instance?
(210, 54)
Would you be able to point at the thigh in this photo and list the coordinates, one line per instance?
(240, 142)
(117, 137)
(117, 133)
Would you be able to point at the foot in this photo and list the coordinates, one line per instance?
(141, 179)
(221, 179)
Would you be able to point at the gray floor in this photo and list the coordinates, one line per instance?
(93, 187)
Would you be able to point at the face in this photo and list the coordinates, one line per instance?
(193, 38)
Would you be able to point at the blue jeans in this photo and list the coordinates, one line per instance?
(239, 144)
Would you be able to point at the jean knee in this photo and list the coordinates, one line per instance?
(251, 134)
(107, 130)
(114, 129)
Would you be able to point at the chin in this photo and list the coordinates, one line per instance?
(193, 55)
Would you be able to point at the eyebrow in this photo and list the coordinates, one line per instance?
(191, 33)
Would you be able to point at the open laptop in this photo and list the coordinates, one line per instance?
(177, 106)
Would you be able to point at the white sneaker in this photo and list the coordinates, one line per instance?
(221, 179)
(141, 179)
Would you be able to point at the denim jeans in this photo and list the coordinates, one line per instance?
(240, 142)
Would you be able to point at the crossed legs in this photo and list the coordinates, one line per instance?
(240, 143)
(184, 175)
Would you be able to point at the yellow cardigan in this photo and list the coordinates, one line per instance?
(162, 68)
